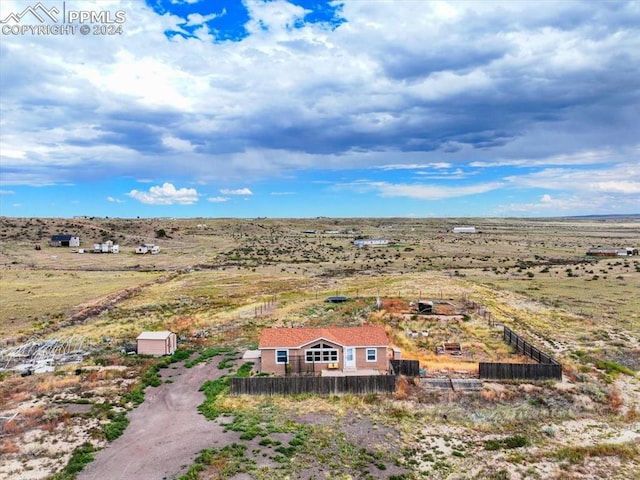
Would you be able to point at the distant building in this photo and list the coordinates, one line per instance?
(65, 241)
(147, 248)
(464, 230)
(106, 247)
(425, 306)
(612, 252)
(371, 241)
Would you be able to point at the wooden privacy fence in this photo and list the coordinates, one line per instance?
(318, 385)
(529, 371)
(409, 368)
(525, 347)
(547, 367)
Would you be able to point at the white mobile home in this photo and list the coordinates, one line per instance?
(464, 229)
(370, 241)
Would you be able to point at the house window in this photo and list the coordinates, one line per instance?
(321, 353)
(282, 356)
(372, 354)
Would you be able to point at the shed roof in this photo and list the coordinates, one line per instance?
(368, 336)
(163, 335)
(58, 238)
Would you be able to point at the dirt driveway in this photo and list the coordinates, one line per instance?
(166, 431)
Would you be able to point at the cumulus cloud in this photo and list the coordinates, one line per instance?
(218, 199)
(167, 194)
(114, 200)
(421, 191)
(238, 191)
(613, 179)
(505, 73)
(550, 205)
(414, 166)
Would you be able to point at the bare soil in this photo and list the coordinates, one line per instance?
(166, 431)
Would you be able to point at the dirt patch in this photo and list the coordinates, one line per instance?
(166, 431)
(76, 408)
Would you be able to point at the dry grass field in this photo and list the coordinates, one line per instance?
(218, 282)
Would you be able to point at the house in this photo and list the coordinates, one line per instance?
(363, 242)
(311, 351)
(464, 229)
(156, 343)
(148, 248)
(65, 241)
(612, 252)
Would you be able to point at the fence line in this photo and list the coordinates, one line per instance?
(318, 385)
(409, 368)
(530, 371)
(547, 366)
(524, 347)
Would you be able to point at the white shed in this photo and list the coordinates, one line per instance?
(156, 343)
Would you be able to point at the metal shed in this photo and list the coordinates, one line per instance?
(156, 343)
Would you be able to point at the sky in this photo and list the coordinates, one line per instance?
(305, 108)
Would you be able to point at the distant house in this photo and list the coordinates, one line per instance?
(612, 252)
(156, 343)
(371, 241)
(314, 350)
(65, 241)
(147, 248)
(464, 230)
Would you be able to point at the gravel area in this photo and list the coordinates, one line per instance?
(165, 433)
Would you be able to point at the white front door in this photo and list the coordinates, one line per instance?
(349, 357)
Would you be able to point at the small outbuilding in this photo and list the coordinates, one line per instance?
(156, 343)
(65, 241)
(425, 306)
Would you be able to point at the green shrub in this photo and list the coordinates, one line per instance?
(577, 455)
(117, 426)
(613, 367)
(211, 389)
(80, 457)
(515, 441)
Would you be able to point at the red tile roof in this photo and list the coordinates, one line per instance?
(366, 336)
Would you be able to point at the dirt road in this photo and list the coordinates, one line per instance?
(166, 431)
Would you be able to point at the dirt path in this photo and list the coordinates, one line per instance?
(166, 431)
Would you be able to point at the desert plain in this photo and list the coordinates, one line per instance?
(217, 283)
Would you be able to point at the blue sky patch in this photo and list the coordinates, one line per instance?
(226, 19)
